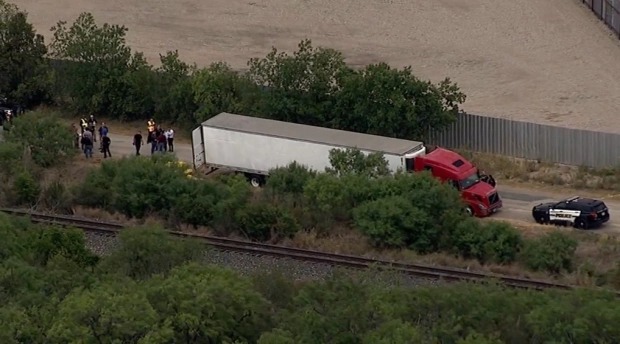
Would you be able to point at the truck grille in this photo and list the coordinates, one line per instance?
(493, 198)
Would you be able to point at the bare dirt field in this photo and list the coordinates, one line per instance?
(545, 61)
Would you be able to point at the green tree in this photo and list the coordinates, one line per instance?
(48, 140)
(286, 184)
(301, 87)
(176, 98)
(354, 161)
(101, 74)
(553, 252)
(490, 242)
(385, 101)
(264, 222)
(198, 205)
(145, 252)
(108, 313)
(26, 189)
(208, 305)
(395, 222)
(25, 76)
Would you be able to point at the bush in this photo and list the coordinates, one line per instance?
(57, 198)
(49, 141)
(198, 206)
(135, 186)
(266, 222)
(494, 241)
(553, 252)
(287, 183)
(395, 222)
(27, 189)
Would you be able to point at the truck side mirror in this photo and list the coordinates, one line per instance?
(487, 178)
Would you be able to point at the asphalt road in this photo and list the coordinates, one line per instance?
(518, 201)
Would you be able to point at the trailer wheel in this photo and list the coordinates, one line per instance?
(256, 180)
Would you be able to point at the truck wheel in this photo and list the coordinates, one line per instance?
(255, 180)
(469, 211)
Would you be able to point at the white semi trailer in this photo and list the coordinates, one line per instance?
(253, 146)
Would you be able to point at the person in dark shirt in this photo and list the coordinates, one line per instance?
(87, 144)
(137, 142)
(105, 146)
(161, 142)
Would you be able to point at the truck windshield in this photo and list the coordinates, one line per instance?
(469, 181)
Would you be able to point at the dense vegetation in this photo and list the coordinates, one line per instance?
(90, 69)
(405, 211)
(152, 289)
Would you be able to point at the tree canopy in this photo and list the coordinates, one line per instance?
(151, 288)
(94, 71)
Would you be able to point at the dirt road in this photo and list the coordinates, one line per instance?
(518, 201)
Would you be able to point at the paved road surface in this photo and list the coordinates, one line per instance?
(518, 201)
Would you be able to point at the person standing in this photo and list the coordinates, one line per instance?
(105, 147)
(153, 139)
(137, 142)
(92, 126)
(83, 124)
(150, 128)
(87, 144)
(170, 140)
(161, 142)
(89, 135)
(103, 130)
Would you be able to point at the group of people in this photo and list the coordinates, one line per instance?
(161, 140)
(86, 136)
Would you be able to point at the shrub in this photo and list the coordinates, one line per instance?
(553, 252)
(263, 222)
(49, 141)
(135, 186)
(27, 189)
(287, 183)
(198, 205)
(395, 222)
(56, 197)
(494, 241)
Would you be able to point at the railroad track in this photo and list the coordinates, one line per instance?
(219, 243)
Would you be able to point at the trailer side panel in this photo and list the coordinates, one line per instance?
(260, 153)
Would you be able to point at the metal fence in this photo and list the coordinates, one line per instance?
(531, 141)
(608, 11)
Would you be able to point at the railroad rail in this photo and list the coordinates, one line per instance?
(349, 261)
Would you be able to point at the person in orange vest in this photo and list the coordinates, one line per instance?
(150, 127)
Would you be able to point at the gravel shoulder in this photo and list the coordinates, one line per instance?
(546, 61)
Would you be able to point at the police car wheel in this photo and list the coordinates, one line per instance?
(581, 224)
(541, 219)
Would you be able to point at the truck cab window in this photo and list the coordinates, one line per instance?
(471, 180)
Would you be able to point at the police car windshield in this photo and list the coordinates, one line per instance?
(470, 181)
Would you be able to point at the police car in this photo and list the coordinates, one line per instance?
(579, 212)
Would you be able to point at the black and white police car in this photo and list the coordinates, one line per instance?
(579, 212)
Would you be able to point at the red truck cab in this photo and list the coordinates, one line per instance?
(477, 189)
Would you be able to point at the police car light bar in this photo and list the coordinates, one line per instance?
(574, 198)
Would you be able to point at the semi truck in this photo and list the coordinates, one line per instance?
(253, 146)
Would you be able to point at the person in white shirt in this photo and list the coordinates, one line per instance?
(170, 137)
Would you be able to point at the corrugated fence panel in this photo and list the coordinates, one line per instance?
(531, 141)
(607, 11)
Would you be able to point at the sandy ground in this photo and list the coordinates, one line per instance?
(545, 61)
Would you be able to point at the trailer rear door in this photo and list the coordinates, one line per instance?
(198, 148)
